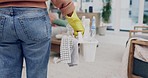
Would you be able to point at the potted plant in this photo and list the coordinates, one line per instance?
(105, 16)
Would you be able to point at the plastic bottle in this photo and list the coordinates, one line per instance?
(87, 28)
(93, 27)
(80, 38)
(83, 20)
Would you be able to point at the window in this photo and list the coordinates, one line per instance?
(75, 0)
(130, 2)
(87, 0)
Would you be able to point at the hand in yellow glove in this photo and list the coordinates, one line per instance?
(75, 23)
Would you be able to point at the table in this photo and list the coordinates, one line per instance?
(55, 45)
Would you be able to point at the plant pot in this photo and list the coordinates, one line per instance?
(102, 30)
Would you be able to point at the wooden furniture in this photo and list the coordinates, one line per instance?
(55, 45)
(143, 29)
(131, 56)
(132, 48)
(137, 27)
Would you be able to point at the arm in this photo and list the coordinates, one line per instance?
(65, 6)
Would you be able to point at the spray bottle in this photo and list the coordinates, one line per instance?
(93, 27)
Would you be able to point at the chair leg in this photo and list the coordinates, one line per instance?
(130, 60)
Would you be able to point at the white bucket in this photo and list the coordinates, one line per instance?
(88, 50)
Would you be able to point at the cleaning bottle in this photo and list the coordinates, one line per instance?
(93, 27)
(87, 28)
(83, 21)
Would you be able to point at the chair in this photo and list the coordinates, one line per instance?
(134, 42)
(142, 29)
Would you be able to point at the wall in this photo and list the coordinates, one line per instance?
(97, 5)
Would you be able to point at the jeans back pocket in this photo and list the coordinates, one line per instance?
(35, 28)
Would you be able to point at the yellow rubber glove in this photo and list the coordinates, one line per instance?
(75, 23)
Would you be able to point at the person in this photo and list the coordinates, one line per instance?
(25, 33)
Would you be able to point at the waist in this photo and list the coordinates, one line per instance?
(23, 4)
(21, 11)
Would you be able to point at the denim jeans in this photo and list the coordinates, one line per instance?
(24, 34)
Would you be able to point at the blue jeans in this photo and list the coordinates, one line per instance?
(24, 34)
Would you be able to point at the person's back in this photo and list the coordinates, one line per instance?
(66, 6)
(25, 33)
